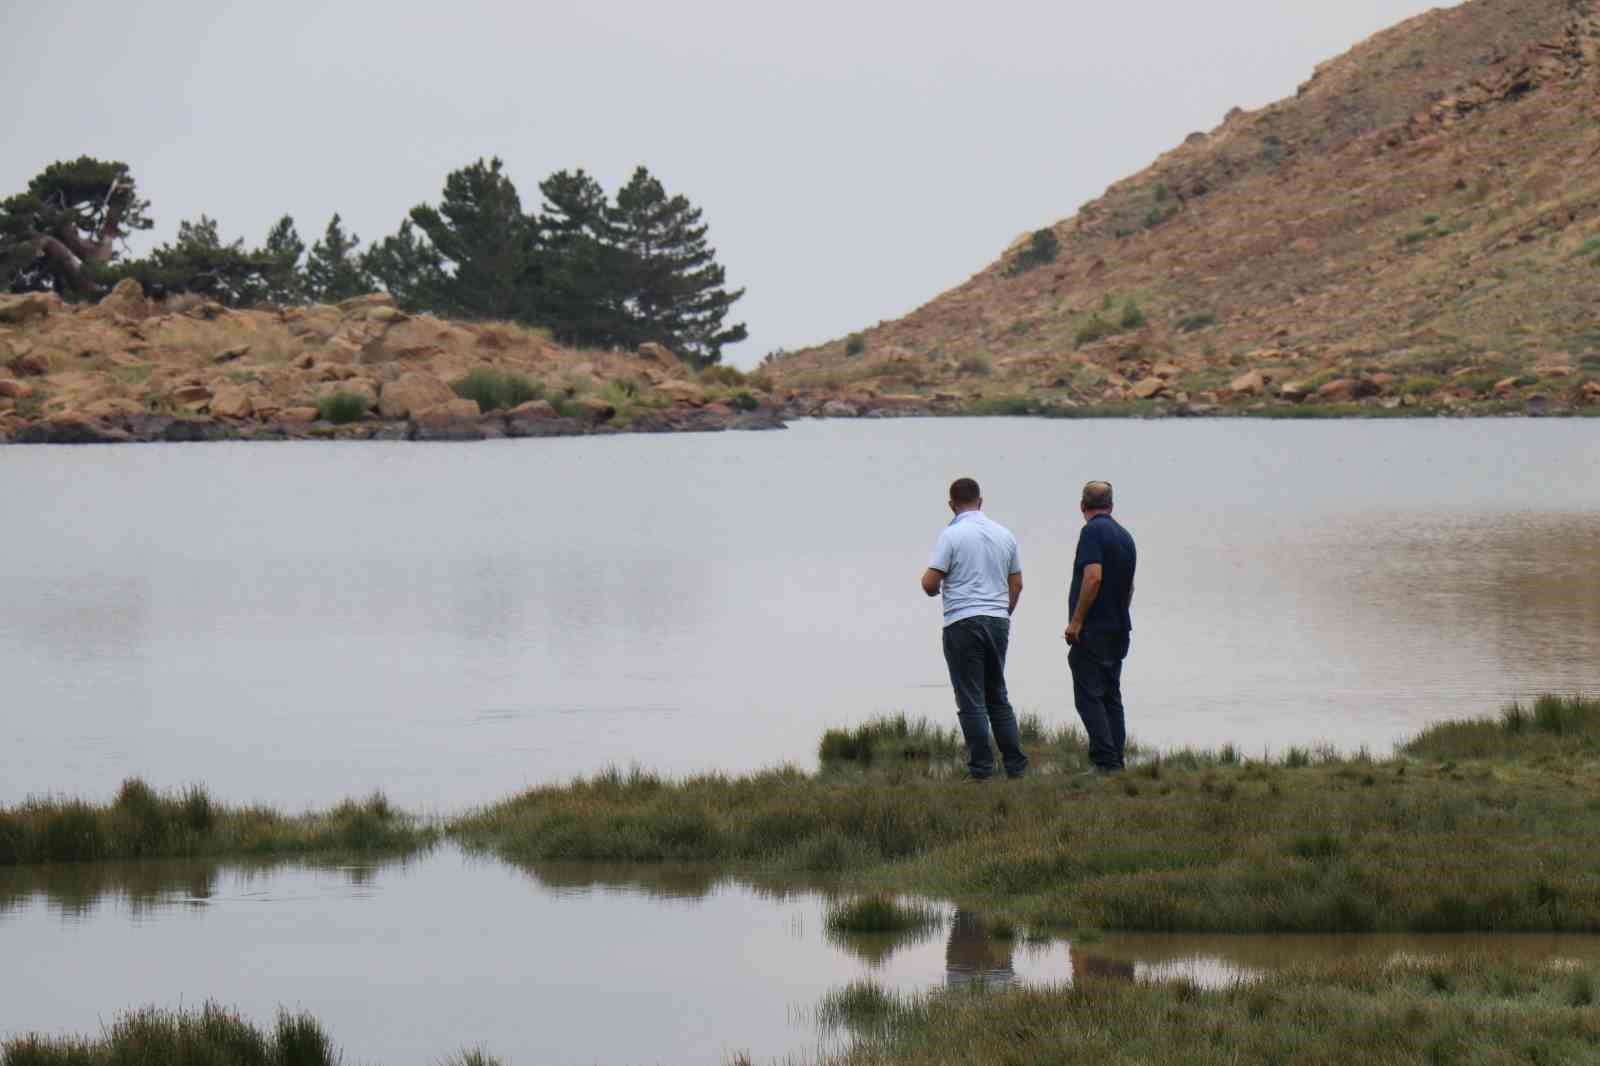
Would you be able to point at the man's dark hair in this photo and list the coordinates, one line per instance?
(964, 490)
(1097, 496)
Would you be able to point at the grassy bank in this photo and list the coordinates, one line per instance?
(1486, 826)
(1399, 1011)
(141, 823)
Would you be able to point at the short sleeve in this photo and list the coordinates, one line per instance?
(943, 553)
(1090, 549)
(1016, 558)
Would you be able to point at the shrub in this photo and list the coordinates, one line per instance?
(977, 365)
(1588, 247)
(854, 345)
(340, 407)
(1043, 247)
(494, 390)
(722, 374)
(1132, 317)
(1420, 385)
(1093, 329)
(743, 401)
(1196, 322)
(1157, 215)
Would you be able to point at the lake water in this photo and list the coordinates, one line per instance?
(407, 963)
(296, 623)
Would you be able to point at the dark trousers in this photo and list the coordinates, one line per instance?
(975, 651)
(1096, 663)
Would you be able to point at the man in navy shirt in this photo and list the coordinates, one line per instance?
(1101, 625)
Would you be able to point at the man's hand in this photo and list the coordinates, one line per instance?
(931, 581)
(1074, 633)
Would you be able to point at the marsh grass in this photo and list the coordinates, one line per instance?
(212, 1035)
(881, 914)
(1199, 841)
(496, 390)
(141, 823)
(890, 739)
(1550, 725)
(1362, 1010)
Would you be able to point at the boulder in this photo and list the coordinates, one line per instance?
(839, 409)
(228, 355)
(112, 409)
(127, 300)
(1149, 388)
(1589, 392)
(1504, 385)
(1251, 383)
(19, 309)
(686, 392)
(361, 305)
(31, 365)
(14, 390)
(1346, 390)
(415, 391)
(455, 407)
(658, 354)
(298, 415)
(355, 387)
(190, 393)
(533, 409)
(1295, 391)
(1167, 371)
(69, 428)
(231, 401)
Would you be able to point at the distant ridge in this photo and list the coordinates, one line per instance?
(1417, 226)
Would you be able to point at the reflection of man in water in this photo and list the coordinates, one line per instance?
(972, 958)
(1100, 601)
(976, 565)
(1102, 967)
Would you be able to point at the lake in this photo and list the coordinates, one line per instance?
(409, 962)
(295, 623)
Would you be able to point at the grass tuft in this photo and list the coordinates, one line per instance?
(340, 407)
(495, 390)
(210, 1035)
(881, 914)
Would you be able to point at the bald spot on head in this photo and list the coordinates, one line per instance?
(1097, 496)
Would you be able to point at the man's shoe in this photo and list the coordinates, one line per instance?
(974, 779)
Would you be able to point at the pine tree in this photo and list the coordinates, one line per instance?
(409, 268)
(486, 243)
(333, 270)
(282, 281)
(62, 232)
(579, 292)
(673, 283)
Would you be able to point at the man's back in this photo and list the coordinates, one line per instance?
(976, 555)
(1103, 540)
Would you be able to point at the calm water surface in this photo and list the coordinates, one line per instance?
(407, 963)
(451, 623)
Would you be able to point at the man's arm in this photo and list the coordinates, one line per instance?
(1014, 590)
(1093, 574)
(931, 581)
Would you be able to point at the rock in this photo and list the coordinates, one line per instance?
(839, 409)
(20, 309)
(336, 372)
(386, 314)
(1295, 391)
(1167, 371)
(1149, 388)
(685, 392)
(207, 311)
(190, 393)
(455, 420)
(455, 407)
(31, 365)
(365, 304)
(1538, 405)
(127, 300)
(112, 409)
(15, 390)
(297, 415)
(1589, 392)
(415, 391)
(1252, 383)
(658, 354)
(355, 387)
(228, 355)
(231, 401)
(532, 409)
(1346, 390)
(70, 428)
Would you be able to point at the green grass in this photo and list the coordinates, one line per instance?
(340, 407)
(209, 1036)
(889, 739)
(1367, 1010)
(1189, 841)
(495, 390)
(1548, 727)
(1196, 322)
(881, 914)
(855, 344)
(141, 823)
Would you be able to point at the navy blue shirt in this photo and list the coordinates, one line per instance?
(1104, 541)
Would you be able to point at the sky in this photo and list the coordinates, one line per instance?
(854, 158)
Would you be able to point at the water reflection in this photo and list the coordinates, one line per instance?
(972, 956)
(75, 891)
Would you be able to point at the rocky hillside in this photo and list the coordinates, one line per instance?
(1418, 226)
(131, 369)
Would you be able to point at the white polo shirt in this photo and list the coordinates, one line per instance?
(976, 555)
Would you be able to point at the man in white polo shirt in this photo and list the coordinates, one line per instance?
(977, 567)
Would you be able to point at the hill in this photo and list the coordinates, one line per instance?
(184, 369)
(1417, 227)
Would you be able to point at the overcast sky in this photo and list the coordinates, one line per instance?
(853, 157)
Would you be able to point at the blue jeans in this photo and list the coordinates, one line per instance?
(975, 651)
(1096, 664)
